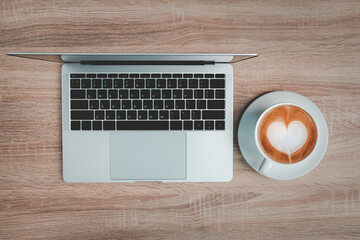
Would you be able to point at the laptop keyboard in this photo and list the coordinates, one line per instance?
(144, 101)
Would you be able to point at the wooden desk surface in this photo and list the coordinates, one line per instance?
(310, 47)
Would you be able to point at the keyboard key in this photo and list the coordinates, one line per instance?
(115, 104)
(91, 94)
(180, 104)
(77, 94)
(158, 104)
(82, 115)
(220, 75)
(155, 94)
(217, 83)
(91, 75)
(204, 83)
(123, 94)
(198, 94)
(193, 83)
(129, 83)
(166, 75)
(198, 125)
(110, 115)
(139, 83)
(131, 115)
(185, 114)
(121, 115)
(155, 75)
(182, 83)
(174, 114)
(109, 125)
(113, 94)
(102, 75)
(209, 93)
(112, 75)
(104, 104)
(126, 104)
(107, 83)
(188, 94)
(177, 75)
(102, 94)
(220, 125)
(99, 115)
(142, 115)
(85, 125)
(148, 104)
(209, 75)
(177, 94)
(201, 104)
(134, 75)
(123, 75)
(145, 94)
(190, 104)
(169, 104)
(161, 83)
(97, 125)
(198, 75)
(75, 83)
(85, 83)
(118, 83)
(96, 83)
(213, 114)
(134, 94)
(188, 125)
(163, 115)
(195, 114)
(79, 104)
(209, 125)
(216, 104)
(150, 83)
(153, 115)
(94, 104)
(137, 104)
(145, 75)
(142, 125)
(77, 75)
(171, 83)
(166, 94)
(188, 75)
(75, 125)
(220, 93)
(175, 125)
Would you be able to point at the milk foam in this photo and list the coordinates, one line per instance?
(287, 139)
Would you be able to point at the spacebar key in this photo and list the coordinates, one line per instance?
(142, 125)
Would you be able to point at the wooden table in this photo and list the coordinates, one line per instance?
(309, 47)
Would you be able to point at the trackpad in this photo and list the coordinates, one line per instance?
(148, 155)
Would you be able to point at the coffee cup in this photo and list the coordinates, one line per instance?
(285, 134)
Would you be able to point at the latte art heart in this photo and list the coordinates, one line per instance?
(287, 139)
(287, 134)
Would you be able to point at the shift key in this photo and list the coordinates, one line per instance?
(212, 114)
(82, 115)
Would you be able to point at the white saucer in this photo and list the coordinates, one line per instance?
(247, 143)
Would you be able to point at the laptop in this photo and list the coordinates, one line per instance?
(146, 117)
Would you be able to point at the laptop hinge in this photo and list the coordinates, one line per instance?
(92, 62)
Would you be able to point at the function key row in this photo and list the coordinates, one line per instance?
(147, 75)
(147, 83)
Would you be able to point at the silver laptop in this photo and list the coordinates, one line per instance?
(146, 117)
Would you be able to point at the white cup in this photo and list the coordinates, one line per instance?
(267, 163)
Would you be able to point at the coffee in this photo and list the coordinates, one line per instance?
(287, 134)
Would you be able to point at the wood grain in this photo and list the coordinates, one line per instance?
(310, 47)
